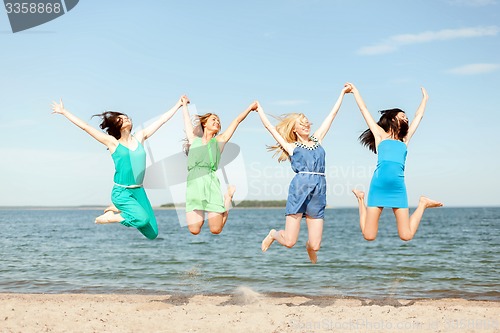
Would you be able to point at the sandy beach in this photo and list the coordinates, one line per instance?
(245, 311)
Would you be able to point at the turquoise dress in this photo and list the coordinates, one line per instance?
(307, 191)
(128, 195)
(387, 188)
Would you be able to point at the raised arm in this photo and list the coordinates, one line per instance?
(188, 124)
(418, 116)
(327, 123)
(105, 139)
(378, 132)
(147, 132)
(228, 133)
(289, 147)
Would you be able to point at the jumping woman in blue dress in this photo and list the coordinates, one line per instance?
(307, 191)
(389, 138)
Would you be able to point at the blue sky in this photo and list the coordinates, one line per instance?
(293, 56)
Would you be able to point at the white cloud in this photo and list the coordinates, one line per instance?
(377, 49)
(472, 3)
(394, 42)
(473, 69)
(446, 34)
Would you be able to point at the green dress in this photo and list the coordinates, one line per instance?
(203, 190)
(128, 195)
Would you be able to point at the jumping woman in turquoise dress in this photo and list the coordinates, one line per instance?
(131, 206)
(204, 146)
(389, 138)
(307, 190)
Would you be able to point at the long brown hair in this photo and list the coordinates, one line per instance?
(286, 129)
(390, 123)
(111, 122)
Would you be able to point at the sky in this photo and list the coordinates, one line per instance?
(291, 55)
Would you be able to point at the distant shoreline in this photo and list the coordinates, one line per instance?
(102, 207)
(244, 204)
(164, 207)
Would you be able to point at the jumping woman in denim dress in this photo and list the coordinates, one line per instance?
(307, 191)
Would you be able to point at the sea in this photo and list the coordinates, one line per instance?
(455, 254)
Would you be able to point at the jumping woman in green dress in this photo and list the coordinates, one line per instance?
(204, 148)
(131, 206)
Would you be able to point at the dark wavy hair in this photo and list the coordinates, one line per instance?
(390, 123)
(111, 122)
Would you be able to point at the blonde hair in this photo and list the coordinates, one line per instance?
(286, 128)
(199, 123)
(199, 128)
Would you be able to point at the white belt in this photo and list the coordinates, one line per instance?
(129, 186)
(312, 173)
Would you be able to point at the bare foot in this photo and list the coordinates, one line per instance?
(360, 195)
(268, 240)
(111, 208)
(230, 192)
(312, 254)
(228, 197)
(429, 203)
(108, 217)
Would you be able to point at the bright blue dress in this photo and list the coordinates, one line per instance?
(387, 188)
(307, 191)
(128, 195)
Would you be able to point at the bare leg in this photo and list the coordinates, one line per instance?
(368, 217)
(315, 231)
(217, 221)
(109, 217)
(195, 220)
(228, 199)
(289, 236)
(371, 225)
(362, 208)
(408, 225)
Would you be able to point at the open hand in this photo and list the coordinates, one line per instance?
(58, 107)
(424, 93)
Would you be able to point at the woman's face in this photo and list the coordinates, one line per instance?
(402, 124)
(401, 116)
(302, 127)
(213, 123)
(126, 122)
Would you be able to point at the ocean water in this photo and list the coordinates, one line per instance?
(456, 253)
